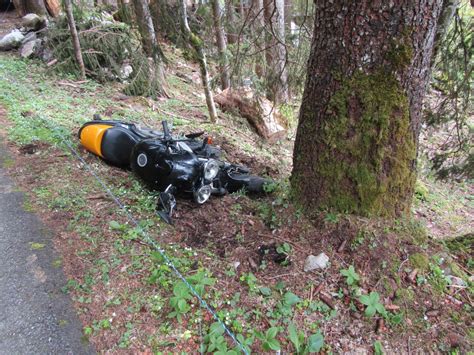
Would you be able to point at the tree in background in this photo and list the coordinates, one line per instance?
(221, 44)
(75, 37)
(360, 118)
(276, 70)
(232, 36)
(451, 105)
(198, 47)
(149, 42)
(24, 7)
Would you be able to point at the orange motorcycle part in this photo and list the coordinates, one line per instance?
(91, 137)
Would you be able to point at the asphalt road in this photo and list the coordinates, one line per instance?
(36, 317)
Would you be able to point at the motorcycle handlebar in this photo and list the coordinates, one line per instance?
(166, 130)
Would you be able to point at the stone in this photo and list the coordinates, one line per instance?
(30, 48)
(47, 55)
(125, 71)
(11, 40)
(457, 281)
(30, 36)
(316, 262)
(33, 22)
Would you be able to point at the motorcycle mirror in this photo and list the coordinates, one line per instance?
(165, 206)
(166, 131)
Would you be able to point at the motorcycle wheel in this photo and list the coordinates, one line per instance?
(251, 183)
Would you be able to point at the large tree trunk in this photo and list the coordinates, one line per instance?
(149, 41)
(36, 6)
(360, 117)
(75, 37)
(198, 47)
(221, 45)
(20, 7)
(276, 71)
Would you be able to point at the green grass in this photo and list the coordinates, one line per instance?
(28, 92)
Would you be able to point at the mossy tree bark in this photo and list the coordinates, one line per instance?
(360, 118)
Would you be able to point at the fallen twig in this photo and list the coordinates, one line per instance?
(342, 246)
(327, 299)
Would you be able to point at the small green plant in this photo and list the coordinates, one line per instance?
(352, 277)
(378, 349)
(179, 301)
(331, 218)
(268, 339)
(394, 319)
(372, 303)
(437, 278)
(303, 346)
(285, 249)
(284, 307)
(215, 340)
(270, 187)
(182, 293)
(359, 239)
(250, 280)
(125, 340)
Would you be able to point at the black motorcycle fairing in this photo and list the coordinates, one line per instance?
(161, 165)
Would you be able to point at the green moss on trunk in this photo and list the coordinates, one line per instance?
(367, 162)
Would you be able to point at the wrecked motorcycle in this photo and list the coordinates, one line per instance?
(170, 164)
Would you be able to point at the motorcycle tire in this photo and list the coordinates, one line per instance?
(251, 183)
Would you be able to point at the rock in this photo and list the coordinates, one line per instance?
(457, 281)
(316, 262)
(11, 40)
(125, 71)
(30, 36)
(47, 55)
(30, 48)
(33, 22)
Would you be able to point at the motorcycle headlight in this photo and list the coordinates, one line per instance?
(211, 168)
(202, 194)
